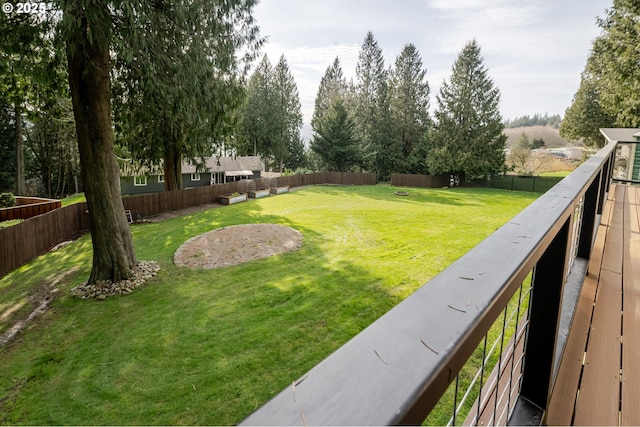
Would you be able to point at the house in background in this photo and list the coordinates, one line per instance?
(216, 170)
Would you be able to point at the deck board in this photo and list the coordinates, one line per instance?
(598, 400)
(613, 250)
(560, 411)
(599, 396)
(605, 329)
(631, 315)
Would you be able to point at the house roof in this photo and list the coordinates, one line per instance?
(238, 166)
(227, 164)
(620, 134)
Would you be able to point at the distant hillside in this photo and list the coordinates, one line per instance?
(550, 136)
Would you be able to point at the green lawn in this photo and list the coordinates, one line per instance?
(558, 174)
(74, 198)
(209, 347)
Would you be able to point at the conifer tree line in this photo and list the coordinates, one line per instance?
(380, 121)
(537, 120)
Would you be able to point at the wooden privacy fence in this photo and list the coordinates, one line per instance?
(422, 181)
(28, 207)
(156, 203)
(37, 235)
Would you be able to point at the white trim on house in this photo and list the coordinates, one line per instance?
(161, 178)
(195, 177)
(139, 181)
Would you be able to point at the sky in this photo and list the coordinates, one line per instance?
(534, 50)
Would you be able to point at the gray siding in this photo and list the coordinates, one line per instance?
(153, 186)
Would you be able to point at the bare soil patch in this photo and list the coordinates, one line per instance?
(237, 244)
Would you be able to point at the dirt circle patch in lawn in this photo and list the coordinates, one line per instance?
(237, 244)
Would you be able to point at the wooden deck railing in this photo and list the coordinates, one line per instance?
(506, 306)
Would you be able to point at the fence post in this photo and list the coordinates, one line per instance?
(545, 304)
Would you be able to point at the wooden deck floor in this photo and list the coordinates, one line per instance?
(598, 380)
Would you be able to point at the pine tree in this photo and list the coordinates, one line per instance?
(335, 140)
(615, 62)
(609, 92)
(333, 85)
(29, 56)
(257, 131)
(586, 114)
(468, 139)
(410, 108)
(182, 104)
(7, 147)
(373, 118)
(286, 112)
(97, 31)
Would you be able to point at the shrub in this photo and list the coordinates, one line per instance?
(7, 200)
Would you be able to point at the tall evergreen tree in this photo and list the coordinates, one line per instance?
(373, 119)
(468, 139)
(88, 32)
(286, 113)
(97, 31)
(616, 58)
(333, 85)
(53, 143)
(586, 115)
(609, 92)
(335, 140)
(182, 104)
(7, 147)
(28, 56)
(410, 108)
(258, 131)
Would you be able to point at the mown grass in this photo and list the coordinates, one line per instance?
(210, 346)
(74, 198)
(10, 223)
(557, 174)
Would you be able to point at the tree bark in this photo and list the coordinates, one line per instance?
(172, 168)
(89, 81)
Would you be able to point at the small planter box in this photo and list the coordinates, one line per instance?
(279, 190)
(259, 193)
(230, 199)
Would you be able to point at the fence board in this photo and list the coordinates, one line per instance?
(421, 181)
(28, 207)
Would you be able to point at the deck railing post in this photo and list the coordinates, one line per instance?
(589, 211)
(607, 170)
(546, 298)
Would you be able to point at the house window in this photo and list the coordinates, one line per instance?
(160, 178)
(140, 181)
(195, 177)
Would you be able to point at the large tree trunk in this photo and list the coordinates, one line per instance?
(21, 186)
(172, 168)
(88, 60)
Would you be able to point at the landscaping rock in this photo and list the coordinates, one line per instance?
(103, 289)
